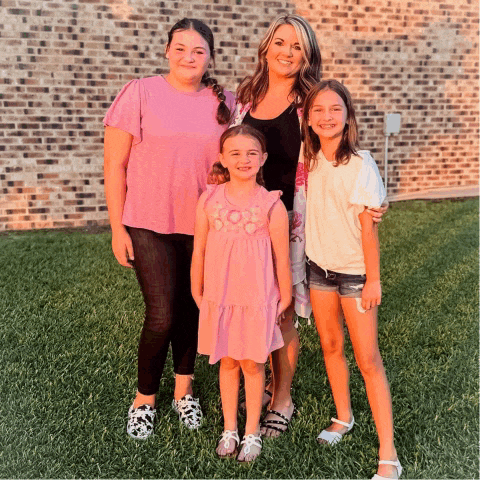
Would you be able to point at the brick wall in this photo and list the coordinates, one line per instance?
(63, 62)
(416, 58)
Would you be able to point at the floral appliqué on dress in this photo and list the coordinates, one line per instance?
(233, 220)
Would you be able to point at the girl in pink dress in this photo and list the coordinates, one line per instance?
(241, 279)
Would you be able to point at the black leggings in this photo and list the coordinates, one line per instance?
(162, 264)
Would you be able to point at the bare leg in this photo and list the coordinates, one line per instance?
(363, 333)
(229, 384)
(326, 310)
(254, 374)
(284, 363)
(141, 399)
(183, 386)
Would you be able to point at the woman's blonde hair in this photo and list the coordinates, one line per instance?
(253, 88)
(219, 174)
(349, 142)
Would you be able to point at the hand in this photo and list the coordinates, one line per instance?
(281, 308)
(122, 247)
(371, 294)
(377, 213)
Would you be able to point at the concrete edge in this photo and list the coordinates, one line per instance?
(455, 192)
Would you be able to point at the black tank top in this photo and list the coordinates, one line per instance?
(283, 147)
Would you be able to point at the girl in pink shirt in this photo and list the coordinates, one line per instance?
(161, 139)
(241, 280)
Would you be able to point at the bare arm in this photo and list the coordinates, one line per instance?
(372, 291)
(198, 257)
(117, 145)
(278, 227)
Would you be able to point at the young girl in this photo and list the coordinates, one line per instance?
(343, 260)
(241, 280)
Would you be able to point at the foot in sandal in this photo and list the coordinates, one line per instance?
(276, 422)
(228, 444)
(251, 447)
(334, 433)
(388, 469)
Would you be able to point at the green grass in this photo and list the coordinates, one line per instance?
(70, 319)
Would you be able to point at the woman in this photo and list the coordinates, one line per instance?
(289, 64)
(161, 138)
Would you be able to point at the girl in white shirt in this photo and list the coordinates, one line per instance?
(343, 260)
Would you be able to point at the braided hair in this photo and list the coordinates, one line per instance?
(223, 112)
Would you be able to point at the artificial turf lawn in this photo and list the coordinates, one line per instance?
(70, 321)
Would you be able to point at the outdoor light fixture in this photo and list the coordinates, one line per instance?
(391, 126)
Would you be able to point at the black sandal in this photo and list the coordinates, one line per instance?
(284, 421)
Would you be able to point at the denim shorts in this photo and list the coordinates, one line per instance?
(344, 284)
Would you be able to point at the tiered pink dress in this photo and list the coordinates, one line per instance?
(240, 297)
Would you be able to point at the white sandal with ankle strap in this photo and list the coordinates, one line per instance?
(394, 463)
(334, 437)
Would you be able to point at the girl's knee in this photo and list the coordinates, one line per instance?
(227, 363)
(251, 368)
(332, 344)
(371, 364)
(287, 325)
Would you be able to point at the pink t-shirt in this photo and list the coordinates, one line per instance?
(175, 142)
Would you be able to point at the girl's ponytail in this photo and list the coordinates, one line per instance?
(218, 174)
(223, 112)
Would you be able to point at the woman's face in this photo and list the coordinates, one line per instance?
(188, 56)
(284, 54)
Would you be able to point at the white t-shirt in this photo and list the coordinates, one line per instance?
(335, 198)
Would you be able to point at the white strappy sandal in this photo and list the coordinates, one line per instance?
(227, 436)
(334, 437)
(394, 463)
(247, 443)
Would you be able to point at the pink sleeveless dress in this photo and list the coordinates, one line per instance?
(240, 296)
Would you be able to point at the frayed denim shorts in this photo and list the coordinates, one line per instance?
(344, 284)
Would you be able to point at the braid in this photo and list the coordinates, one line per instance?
(223, 112)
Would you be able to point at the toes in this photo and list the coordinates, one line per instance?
(274, 433)
(223, 452)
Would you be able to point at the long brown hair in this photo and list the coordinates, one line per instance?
(349, 142)
(254, 88)
(223, 112)
(219, 174)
